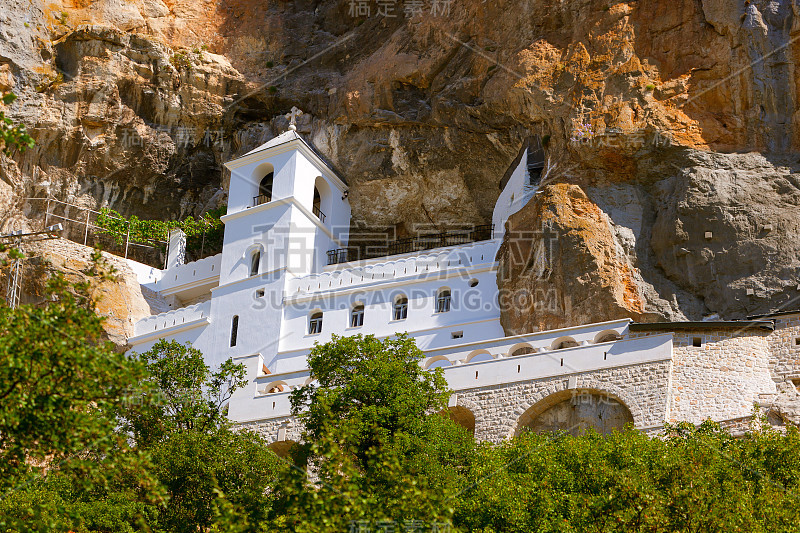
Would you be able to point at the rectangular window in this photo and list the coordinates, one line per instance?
(697, 342)
(234, 330)
(456, 334)
(315, 324)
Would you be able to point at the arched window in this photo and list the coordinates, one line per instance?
(276, 386)
(522, 348)
(316, 207)
(439, 361)
(443, 301)
(315, 323)
(265, 190)
(234, 329)
(608, 335)
(357, 316)
(400, 308)
(321, 201)
(255, 261)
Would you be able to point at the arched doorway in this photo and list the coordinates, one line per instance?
(576, 411)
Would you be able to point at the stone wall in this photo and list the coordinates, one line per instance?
(644, 389)
(721, 379)
(282, 429)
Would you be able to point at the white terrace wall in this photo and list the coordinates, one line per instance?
(500, 390)
(172, 319)
(200, 271)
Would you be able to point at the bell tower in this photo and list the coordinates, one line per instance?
(285, 201)
(286, 208)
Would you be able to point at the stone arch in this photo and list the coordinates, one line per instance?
(563, 342)
(478, 353)
(435, 359)
(575, 411)
(522, 348)
(607, 335)
(462, 416)
(509, 426)
(282, 448)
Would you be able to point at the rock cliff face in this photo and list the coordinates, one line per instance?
(671, 186)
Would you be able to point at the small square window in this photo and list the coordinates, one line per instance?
(697, 342)
(259, 293)
(797, 341)
(456, 334)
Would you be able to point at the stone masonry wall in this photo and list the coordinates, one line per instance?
(271, 429)
(721, 379)
(644, 389)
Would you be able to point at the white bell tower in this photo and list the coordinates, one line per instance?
(286, 209)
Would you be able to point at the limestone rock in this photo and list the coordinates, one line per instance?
(560, 265)
(648, 108)
(120, 301)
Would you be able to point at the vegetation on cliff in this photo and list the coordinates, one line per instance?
(203, 234)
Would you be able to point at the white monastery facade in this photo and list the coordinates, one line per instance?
(287, 279)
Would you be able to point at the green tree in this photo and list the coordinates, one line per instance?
(61, 385)
(374, 438)
(377, 388)
(693, 479)
(179, 393)
(214, 476)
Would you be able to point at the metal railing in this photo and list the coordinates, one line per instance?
(317, 213)
(483, 232)
(261, 199)
(79, 228)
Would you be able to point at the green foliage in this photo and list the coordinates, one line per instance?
(375, 387)
(185, 59)
(203, 233)
(12, 135)
(61, 385)
(60, 382)
(373, 436)
(213, 473)
(179, 393)
(91, 440)
(697, 479)
(649, 87)
(345, 496)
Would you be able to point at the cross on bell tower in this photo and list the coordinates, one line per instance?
(292, 116)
